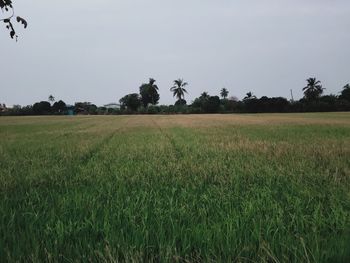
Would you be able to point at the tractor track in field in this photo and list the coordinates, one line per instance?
(96, 148)
(82, 161)
(176, 149)
(69, 131)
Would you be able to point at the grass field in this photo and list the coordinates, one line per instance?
(223, 188)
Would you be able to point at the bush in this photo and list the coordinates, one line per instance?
(42, 108)
(153, 109)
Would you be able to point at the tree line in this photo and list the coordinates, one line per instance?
(146, 102)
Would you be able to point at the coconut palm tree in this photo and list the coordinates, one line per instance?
(313, 90)
(151, 84)
(224, 93)
(179, 89)
(153, 90)
(51, 98)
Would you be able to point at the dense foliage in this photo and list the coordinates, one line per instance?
(146, 103)
(149, 93)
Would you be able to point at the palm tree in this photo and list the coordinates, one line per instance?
(151, 84)
(154, 90)
(249, 96)
(51, 98)
(313, 90)
(179, 89)
(224, 93)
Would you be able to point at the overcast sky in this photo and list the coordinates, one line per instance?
(98, 51)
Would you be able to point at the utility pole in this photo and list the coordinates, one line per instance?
(291, 93)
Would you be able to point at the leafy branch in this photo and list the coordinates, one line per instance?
(7, 5)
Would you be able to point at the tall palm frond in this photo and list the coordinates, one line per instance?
(313, 89)
(178, 89)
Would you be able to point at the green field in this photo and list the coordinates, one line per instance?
(201, 188)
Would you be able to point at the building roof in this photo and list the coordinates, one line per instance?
(112, 105)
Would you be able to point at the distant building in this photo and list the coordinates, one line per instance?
(112, 106)
(70, 110)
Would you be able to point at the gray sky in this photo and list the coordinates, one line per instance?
(98, 51)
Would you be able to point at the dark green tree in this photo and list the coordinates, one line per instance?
(206, 103)
(149, 93)
(224, 93)
(345, 93)
(181, 102)
(313, 89)
(178, 89)
(42, 108)
(204, 95)
(59, 107)
(131, 102)
(212, 104)
(201, 100)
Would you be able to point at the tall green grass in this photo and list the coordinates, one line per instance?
(131, 189)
